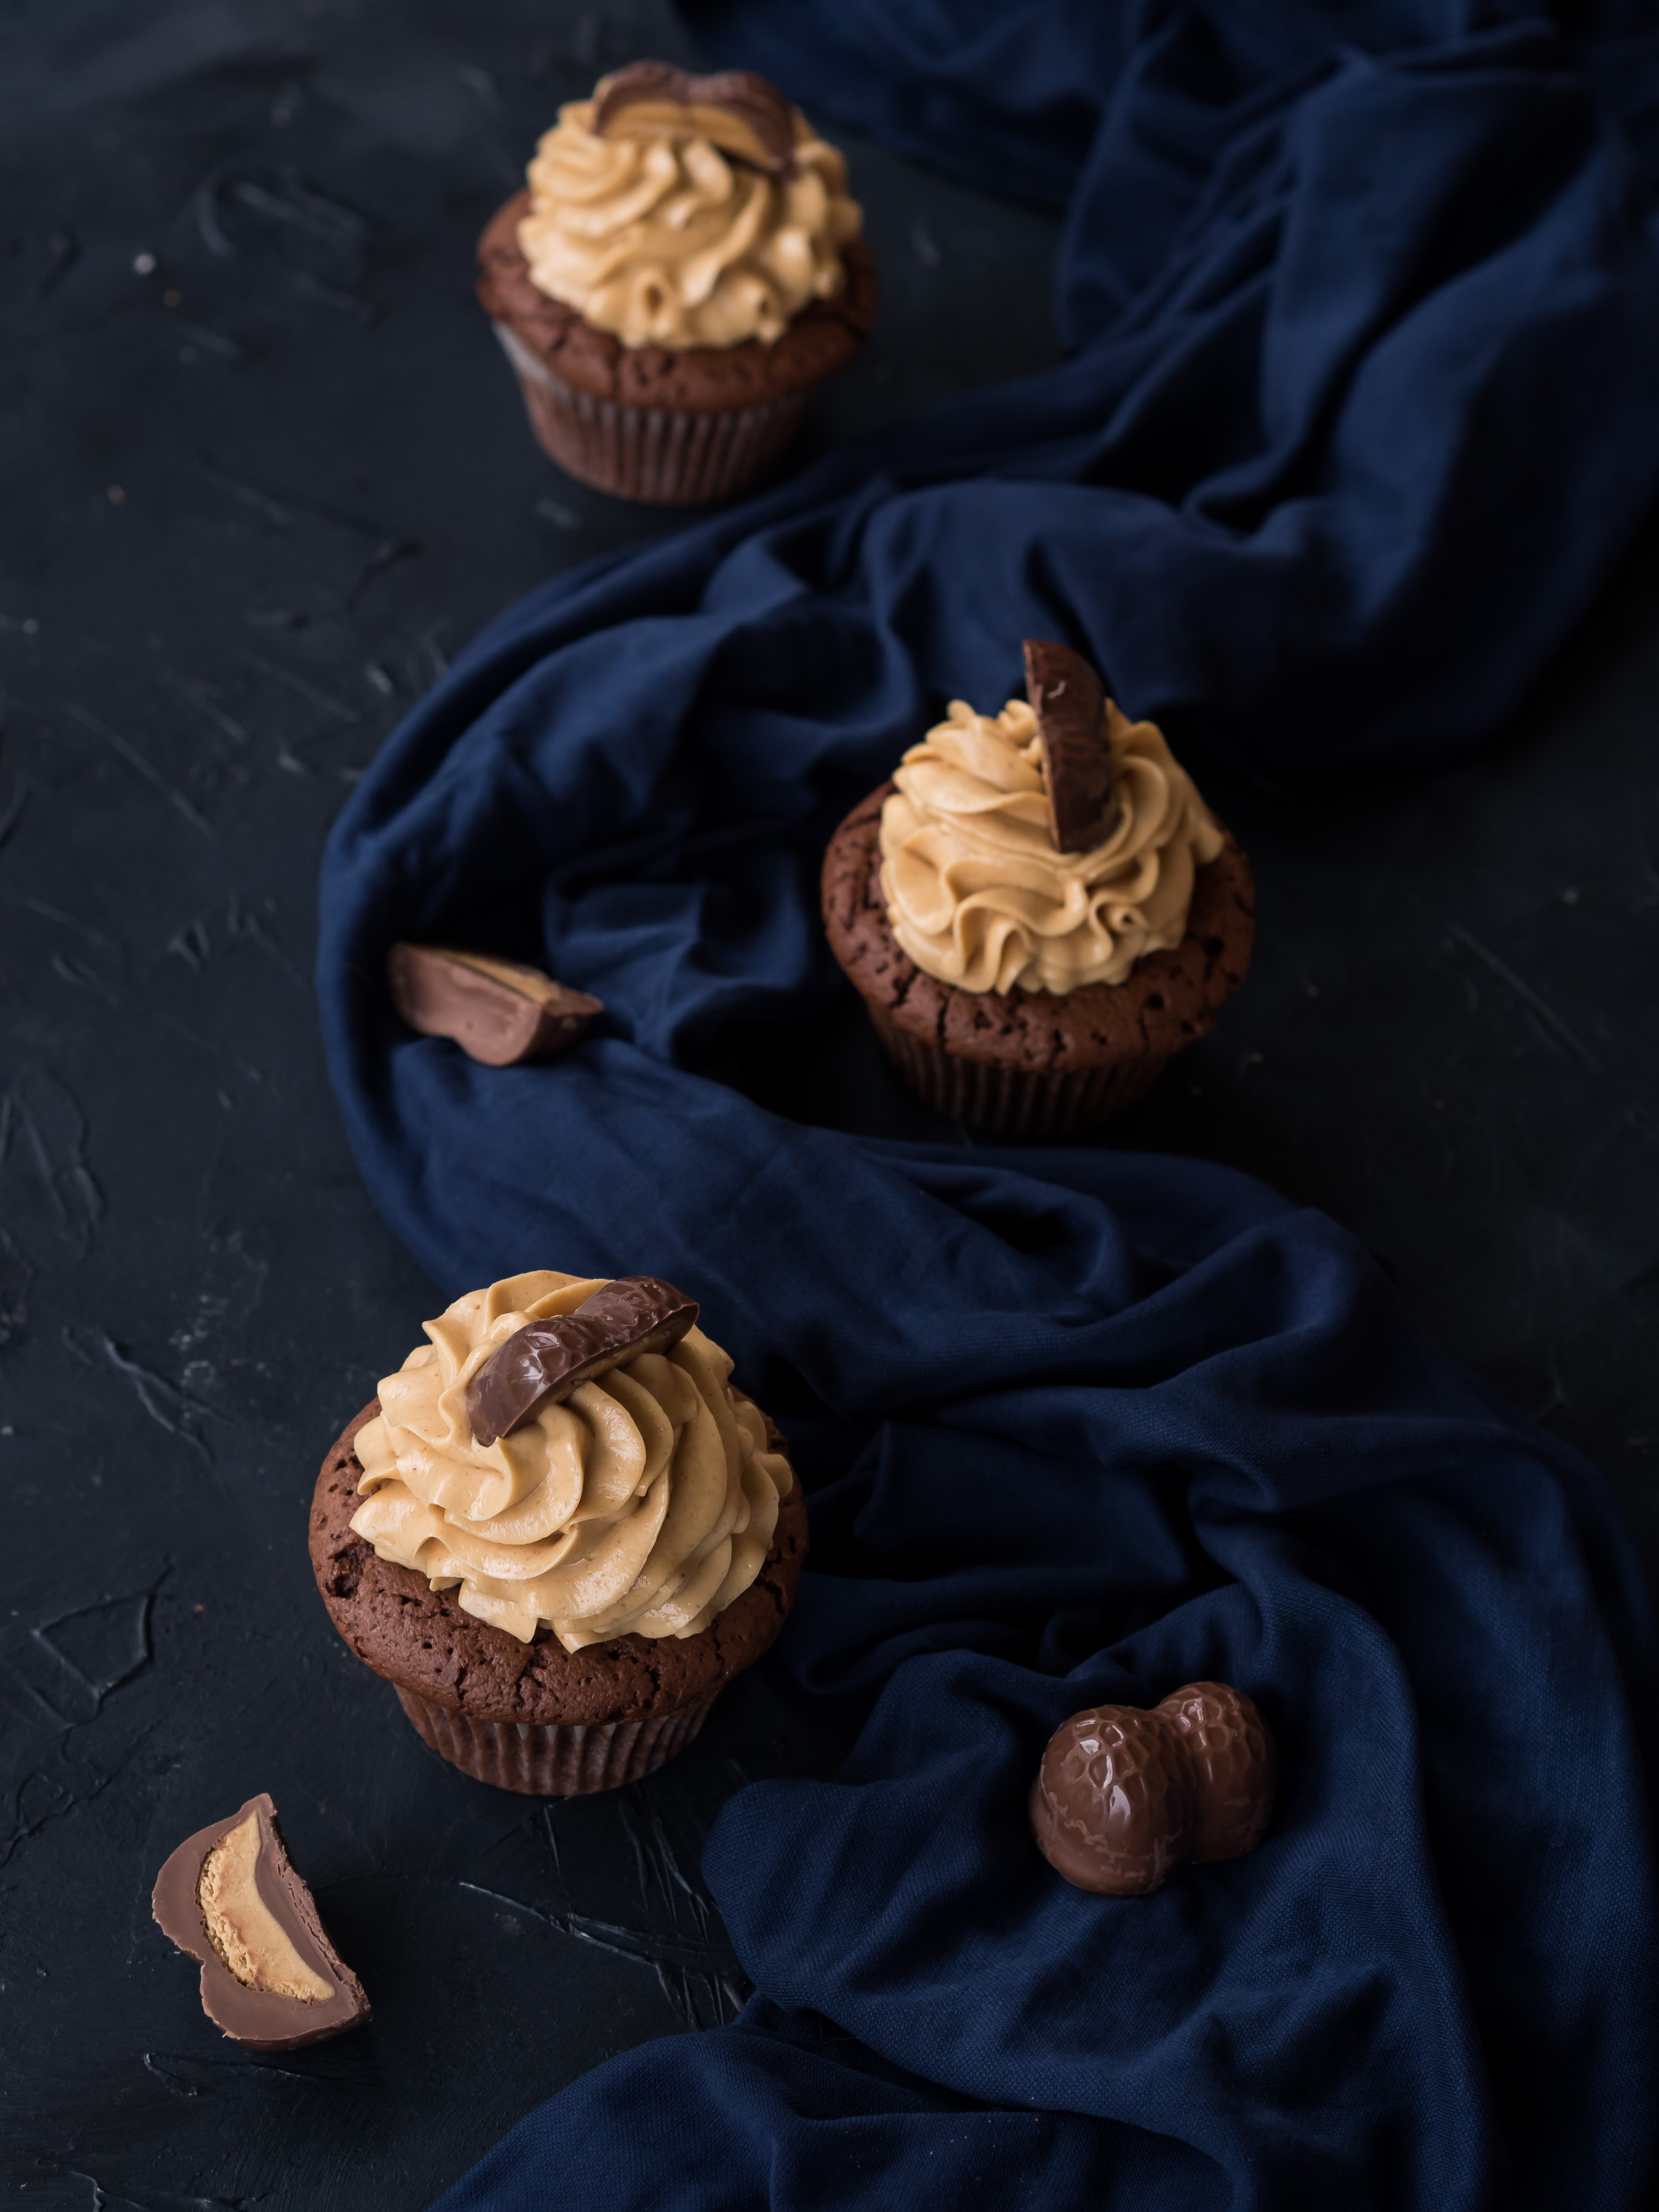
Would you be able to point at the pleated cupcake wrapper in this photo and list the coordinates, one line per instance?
(1013, 1101)
(547, 1761)
(655, 453)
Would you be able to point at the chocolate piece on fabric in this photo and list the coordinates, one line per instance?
(1069, 701)
(542, 1363)
(1234, 1762)
(1123, 1797)
(741, 113)
(1112, 1805)
(271, 1978)
(499, 1011)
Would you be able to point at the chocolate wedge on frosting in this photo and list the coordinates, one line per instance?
(542, 1363)
(1069, 701)
(271, 1978)
(736, 110)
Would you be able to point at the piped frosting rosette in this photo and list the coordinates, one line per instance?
(644, 1504)
(663, 238)
(976, 893)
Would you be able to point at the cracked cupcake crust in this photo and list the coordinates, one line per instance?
(1168, 1000)
(419, 1639)
(821, 338)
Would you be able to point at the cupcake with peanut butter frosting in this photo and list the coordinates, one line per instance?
(558, 1531)
(1039, 910)
(683, 267)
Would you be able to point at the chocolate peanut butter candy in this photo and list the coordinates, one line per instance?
(1123, 1797)
(499, 1011)
(1234, 1763)
(1069, 701)
(545, 1360)
(271, 1978)
(735, 110)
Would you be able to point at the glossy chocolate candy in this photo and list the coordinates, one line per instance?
(1123, 1796)
(499, 1011)
(1234, 1764)
(271, 1978)
(545, 1360)
(736, 110)
(1069, 701)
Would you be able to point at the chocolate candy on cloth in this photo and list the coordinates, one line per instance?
(499, 1011)
(1123, 1796)
(271, 1978)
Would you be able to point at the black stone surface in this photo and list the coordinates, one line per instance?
(254, 495)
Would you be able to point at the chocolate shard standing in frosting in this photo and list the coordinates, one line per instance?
(1123, 1796)
(542, 1363)
(271, 1978)
(499, 1011)
(736, 110)
(1069, 701)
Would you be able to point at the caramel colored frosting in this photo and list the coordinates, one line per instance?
(644, 1504)
(655, 233)
(976, 893)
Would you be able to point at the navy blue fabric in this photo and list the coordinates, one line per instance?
(1366, 399)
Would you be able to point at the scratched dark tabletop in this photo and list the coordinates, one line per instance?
(264, 471)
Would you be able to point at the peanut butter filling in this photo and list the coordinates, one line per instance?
(242, 1926)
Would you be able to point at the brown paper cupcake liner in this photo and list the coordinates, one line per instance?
(542, 1760)
(1013, 1101)
(657, 453)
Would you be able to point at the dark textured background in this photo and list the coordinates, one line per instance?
(253, 499)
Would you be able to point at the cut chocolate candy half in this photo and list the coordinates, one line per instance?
(735, 110)
(499, 1011)
(542, 1363)
(1069, 701)
(271, 1978)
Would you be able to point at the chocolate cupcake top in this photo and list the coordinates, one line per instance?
(979, 894)
(686, 211)
(641, 1501)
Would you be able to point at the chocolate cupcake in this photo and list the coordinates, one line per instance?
(557, 1607)
(1038, 910)
(682, 268)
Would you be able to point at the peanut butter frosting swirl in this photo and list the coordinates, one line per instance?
(654, 232)
(645, 1503)
(976, 893)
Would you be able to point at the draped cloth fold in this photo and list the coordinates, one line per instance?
(1365, 402)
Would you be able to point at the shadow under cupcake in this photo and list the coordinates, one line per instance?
(1038, 910)
(641, 1543)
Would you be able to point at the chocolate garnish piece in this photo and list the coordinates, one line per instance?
(1123, 1797)
(1069, 701)
(499, 1011)
(1234, 1763)
(735, 110)
(542, 1363)
(271, 1978)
